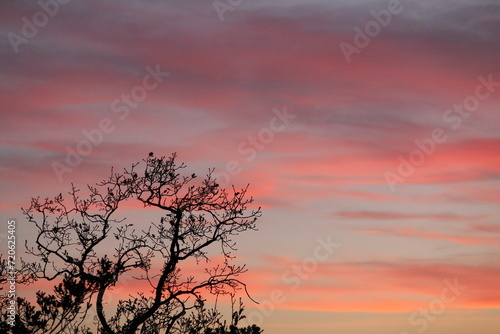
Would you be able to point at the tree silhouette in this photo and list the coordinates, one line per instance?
(83, 244)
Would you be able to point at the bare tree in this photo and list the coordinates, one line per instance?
(86, 246)
(22, 272)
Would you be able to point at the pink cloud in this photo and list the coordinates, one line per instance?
(416, 233)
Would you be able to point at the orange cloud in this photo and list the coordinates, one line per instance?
(381, 286)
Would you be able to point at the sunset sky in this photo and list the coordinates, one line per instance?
(370, 125)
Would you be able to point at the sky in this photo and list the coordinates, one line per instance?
(368, 131)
